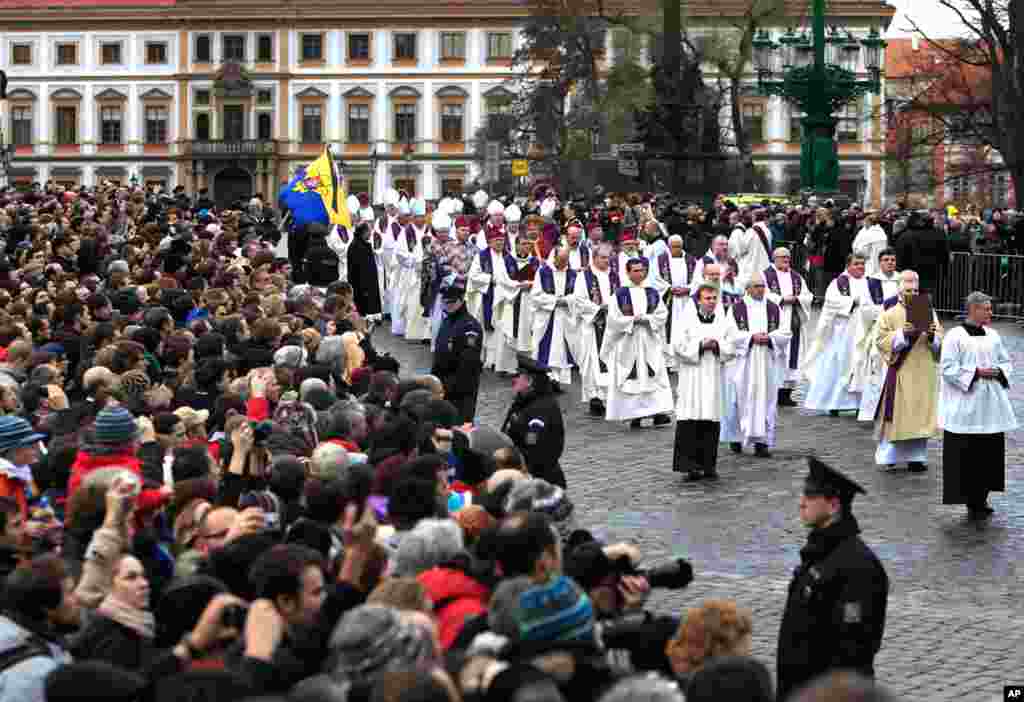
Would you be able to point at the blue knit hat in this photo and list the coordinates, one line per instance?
(16, 432)
(115, 426)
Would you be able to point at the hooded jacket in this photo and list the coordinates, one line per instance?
(457, 597)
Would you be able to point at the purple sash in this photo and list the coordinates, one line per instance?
(739, 313)
(771, 277)
(601, 320)
(584, 256)
(547, 284)
(764, 240)
(625, 303)
(874, 288)
(486, 267)
(888, 401)
(343, 233)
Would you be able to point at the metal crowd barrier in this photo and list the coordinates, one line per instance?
(998, 275)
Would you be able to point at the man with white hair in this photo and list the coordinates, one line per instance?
(677, 274)
(759, 342)
(633, 348)
(788, 290)
(598, 287)
(555, 323)
(907, 414)
(410, 251)
(974, 410)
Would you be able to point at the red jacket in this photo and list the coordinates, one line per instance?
(86, 463)
(456, 597)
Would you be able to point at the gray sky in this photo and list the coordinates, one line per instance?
(934, 19)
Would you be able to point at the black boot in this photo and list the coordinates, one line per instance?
(635, 424)
(761, 451)
(786, 398)
(693, 476)
(596, 408)
(916, 467)
(833, 413)
(736, 447)
(662, 420)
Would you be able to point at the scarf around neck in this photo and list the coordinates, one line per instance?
(138, 620)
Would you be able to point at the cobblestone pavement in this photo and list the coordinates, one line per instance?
(955, 625)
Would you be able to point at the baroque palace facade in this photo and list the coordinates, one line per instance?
(234, 94)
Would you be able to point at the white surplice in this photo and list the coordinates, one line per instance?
(519, 336)
(745, 246)
(968, 405)
(338, 241)
(384, 253)
(679, 274)
(498, 354)
(703, 376)
(635, 356)
(802, 308)
(875, 368)
(575, 257)
(593, 379)
(831, 363)
(757, 373)
(869, 243)
(417, 320)
(556, 326)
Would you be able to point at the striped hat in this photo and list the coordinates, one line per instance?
(115, 426)
(558, 610)
(16, 432)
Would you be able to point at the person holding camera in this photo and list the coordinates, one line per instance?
(634, 637)
(115, 586)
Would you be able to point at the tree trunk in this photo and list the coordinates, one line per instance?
(742, 144)
(672, 59)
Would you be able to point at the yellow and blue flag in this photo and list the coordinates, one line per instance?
(316, 193)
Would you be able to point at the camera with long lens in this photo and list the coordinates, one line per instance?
(673, 575)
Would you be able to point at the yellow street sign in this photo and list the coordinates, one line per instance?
(520, 167)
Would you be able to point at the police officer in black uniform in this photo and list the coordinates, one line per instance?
(835, 610)
(534, 421)
(457, 351)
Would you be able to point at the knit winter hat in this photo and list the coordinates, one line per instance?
(16, 432)
(536, 495)
(429, 544)
(474, 520)
(373, 639)
(115, 426)
(289, 357)
(558, 610)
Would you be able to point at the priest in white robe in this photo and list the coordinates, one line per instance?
(676, 276)
(870, 241)
(517, 313)
(703, 352)
(491, 285)
(399, 269)
(600, 281)
(852, 302)
(874, 373)
(634, 350)
(555, 324)
(412, 248)
(974, 410)
(759, 344)
(788, 290)
(386, 231)
(751, 247)
(340, 238)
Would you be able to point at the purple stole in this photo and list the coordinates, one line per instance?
(529, 271)
(888, 399)
(874, 287)
(486, 267)
(584, 256)
(739, 313)
(764, 239)
(771, 277)
(343, 233)
(594, 291)
(547, 284)
(625, 302)
(410, 237)
(665, 269)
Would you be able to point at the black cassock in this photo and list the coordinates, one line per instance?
(362, 275)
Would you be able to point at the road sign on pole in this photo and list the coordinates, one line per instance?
(628, 166)
(520, 167)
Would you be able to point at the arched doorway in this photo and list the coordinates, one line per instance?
(231, 184)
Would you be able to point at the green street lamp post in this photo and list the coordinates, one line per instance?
(818, 75)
